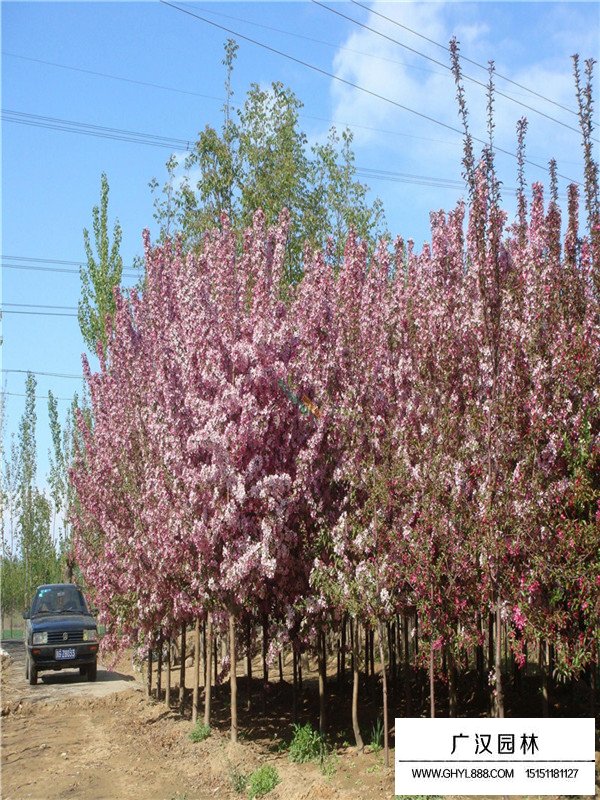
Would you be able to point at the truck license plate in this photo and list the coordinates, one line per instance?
(67, 652)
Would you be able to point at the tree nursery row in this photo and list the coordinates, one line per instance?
(397, 440)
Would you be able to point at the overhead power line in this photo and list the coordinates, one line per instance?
(35, 305)
(113, 77)
(50, 261)
(37, 396)
(464, 58)
(423, 180)
(71, 126)
(356, 86)
(40, 269)
(337, 122)
(63, 270)
(40, 313)
(446, 67)
(233, 105)
(46, 374)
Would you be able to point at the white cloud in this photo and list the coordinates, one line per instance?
(485, 31)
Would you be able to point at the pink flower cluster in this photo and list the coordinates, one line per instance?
(450, 466)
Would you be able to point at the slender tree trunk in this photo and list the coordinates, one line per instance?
(355, 679)
(372, 650)
(295, 687)
(343, 650)
(233, 678)
(416, 647)
(207, 665)
(196, 684)
(407, 697)
(593, 675)
(168, 675)
(265, 647)
(280, 667)
(452, 699)
(479, 654)
(182, 669)
(491, 651)
(215, 657)
(516, 671)
(386, 747)
(249, 664)
(322, 657)
(498, 663)
(544, 673)
(431, 681)
(391, 651)
(159, 669)
(398, 637)
(149, 674)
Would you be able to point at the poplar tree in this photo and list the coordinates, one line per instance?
(261, 159)
(100, 276)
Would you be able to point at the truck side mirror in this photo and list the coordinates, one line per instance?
(26, 615)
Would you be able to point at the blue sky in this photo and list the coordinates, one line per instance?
(51, 178)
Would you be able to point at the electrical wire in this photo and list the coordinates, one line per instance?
(39, 372)
(37, 396)
(35, 305)
(449, 69)
(464, 58)
(40, 313)
(220, 99)
(48, 260)
(233, 105)
(357, 86)
(56, 269)
(72, 126)
(113, 77)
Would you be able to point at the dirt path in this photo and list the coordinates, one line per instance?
(68, 739)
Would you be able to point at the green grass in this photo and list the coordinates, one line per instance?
(199, 732)
(262, 780)
(376, 742)
(307, 744)
(239, 780)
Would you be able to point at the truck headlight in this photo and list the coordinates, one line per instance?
(90, 635)
(40, 638)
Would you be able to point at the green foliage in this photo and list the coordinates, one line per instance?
(307, 744)
(61, 459)
(262, 781)
(260, 159)
(199, 732)
(31, 558)
(329, 764)
(100, 277)
(239, 781)
(376, 742)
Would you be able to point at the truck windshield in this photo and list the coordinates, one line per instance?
(59, 599)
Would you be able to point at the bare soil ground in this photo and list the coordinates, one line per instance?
(69, 739)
